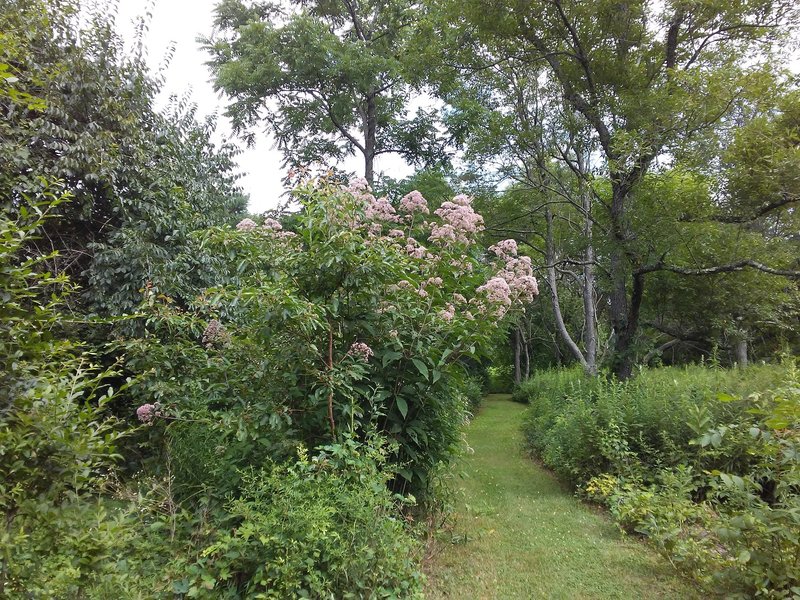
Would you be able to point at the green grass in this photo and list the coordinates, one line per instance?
(519, 533)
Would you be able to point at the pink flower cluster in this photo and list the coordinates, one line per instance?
(527, 286)
(380, 209)
(448, 313)
(414, 249)
(461, 222)
(272, 225)
(146, 413)
(497, 291)
(514, 281)
(246, 225)
(518, 272)
(359, 187)
(361, 351)
(414, 202)
(444, 235)
(215, 334)
(505, 248)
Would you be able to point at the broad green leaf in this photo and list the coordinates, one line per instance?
(421, 367)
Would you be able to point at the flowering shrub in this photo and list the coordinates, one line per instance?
(356, 321)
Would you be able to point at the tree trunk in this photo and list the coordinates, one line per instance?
(589, 310)
(370, 129)
(517, 353)
(550, 257)
(740, 352)
(527, 358)
(624, 313)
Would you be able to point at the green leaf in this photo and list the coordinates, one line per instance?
(445, 354)
(180, 587)
(402, 406)
(421, 367)
(390, 356)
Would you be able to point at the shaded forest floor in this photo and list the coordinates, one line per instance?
(519, 533)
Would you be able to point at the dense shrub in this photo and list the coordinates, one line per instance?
(584, 427)
(141, 179)
(60, 537)
(473, 392)
(362, 318)
(690, 459)
(737, 530)
(322, 527)
(550, 386)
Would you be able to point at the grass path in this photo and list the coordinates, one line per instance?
(521, 534)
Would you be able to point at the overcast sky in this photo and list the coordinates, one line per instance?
(181, 21)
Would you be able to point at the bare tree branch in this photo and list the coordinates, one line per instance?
(729, 268)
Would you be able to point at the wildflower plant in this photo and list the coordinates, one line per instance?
(358, 318)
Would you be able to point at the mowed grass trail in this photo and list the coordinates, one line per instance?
(520, 534)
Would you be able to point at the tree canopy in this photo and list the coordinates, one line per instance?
(326, 79)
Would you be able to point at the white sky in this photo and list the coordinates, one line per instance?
(181, 21)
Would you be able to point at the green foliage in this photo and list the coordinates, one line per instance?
(639, 80)
(324, 526)
(140, 180)
(60, 537)
(436, 184)
(297, 307)
(585, 427)
(327, 79)
(227, 410)
(742, 534)
(472, 389)
(701, 461)
(501, 379)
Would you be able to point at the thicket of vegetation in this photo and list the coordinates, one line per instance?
(200, 402)
(702, 461)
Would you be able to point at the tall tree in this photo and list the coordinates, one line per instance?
(516, 129)
(327, 79)
(141, 179)
(645, 77)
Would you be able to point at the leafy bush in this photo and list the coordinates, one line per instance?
(473, 391)
(583, 427)
(361, 318)
(549, 386)
(711, 478)
(737, 531)
(60, 538)
(141, 179)
(322, 527)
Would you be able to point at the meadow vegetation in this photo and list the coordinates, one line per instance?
(702, 461)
